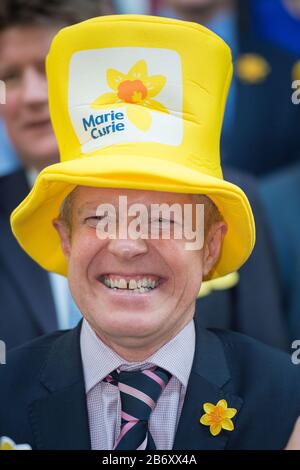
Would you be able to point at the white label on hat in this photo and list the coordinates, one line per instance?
(127, 94)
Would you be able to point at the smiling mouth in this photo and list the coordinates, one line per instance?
(131, 284)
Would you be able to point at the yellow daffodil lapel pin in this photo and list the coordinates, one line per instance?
(218, 417)
(8, 444)
(136, 88)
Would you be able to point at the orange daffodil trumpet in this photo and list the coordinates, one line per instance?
(218, 417)
(136, 88)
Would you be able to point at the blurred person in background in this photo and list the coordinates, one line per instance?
(141, 7)
(33, 302)
(281, 196)
(261, 126)
(278, 21)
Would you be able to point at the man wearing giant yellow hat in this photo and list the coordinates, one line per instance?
(136, 215)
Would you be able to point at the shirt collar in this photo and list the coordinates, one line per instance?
(176, 356)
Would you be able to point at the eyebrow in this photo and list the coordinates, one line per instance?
(87, 206)
(92, 206)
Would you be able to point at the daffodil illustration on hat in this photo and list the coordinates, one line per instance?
(218, 417)
(136, 87)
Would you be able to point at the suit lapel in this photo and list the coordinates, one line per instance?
(59, 418)
(207, 381)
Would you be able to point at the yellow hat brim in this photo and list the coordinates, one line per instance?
(32, 220)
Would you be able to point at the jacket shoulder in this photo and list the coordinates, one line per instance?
(25, 362)
(250, 360)
(233, 340)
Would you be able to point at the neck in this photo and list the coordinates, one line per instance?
(132, 351)
(204, 14)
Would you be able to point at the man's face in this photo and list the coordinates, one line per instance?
(125, 315)
(22, 67)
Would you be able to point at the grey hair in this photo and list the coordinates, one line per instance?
(65, 213)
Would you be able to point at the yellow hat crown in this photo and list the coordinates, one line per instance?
(156, 88)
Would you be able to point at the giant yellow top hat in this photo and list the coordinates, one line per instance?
(136, 102)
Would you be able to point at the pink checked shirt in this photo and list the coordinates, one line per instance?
(103, 399)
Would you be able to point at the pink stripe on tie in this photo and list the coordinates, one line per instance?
(137, 394)
(143, 444)
(129, 417)
(124, 431)
(155, 377)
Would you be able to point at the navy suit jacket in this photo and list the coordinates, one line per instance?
(43, 400)
(26, 306)
(265, 132)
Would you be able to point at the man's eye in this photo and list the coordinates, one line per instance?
(162, 222)
(94, 220)
(95, 217)
(10, 77)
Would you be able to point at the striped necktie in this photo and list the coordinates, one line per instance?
(139, 392)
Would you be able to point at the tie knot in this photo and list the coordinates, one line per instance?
(139, 391)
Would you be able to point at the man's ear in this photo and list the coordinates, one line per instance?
(64, 235)
(213, 245)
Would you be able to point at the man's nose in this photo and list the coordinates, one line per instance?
(34, 87)
(127, 249)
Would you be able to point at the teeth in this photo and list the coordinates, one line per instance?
(141, 286)
(122, 284)
(132, 284)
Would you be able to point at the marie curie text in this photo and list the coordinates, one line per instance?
(103, 124)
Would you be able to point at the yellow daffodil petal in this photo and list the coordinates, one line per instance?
(222, 404)
(208, 407)
(227, 424)
(6, 446)
(106, 98)
(139, 116)
(215, 429)
(155, 105)
(206, 420)
(138, 71)
(114, 78)
(154, 84)
(230, 413)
